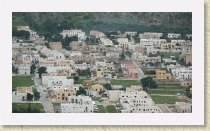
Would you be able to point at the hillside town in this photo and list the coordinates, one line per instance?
(100, 72)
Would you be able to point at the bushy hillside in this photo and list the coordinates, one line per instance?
(49, 24)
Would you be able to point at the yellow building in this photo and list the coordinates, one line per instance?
(24, 90)
(123, 45)
(168, 46)
(97, 88)
(60, 95)
(101, 72)
(161, 74)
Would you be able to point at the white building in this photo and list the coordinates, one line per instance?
(24, 69)
(25, 58)
(106, 41)
(173, 35)
(73, 32)
(56, 81)
(131, 33)
(150, 35)
(75, 53)
(114, 95)
(52, 54)
(180, 42)
(182, 73)
(78, 104)
(82, 66)
(136, 100)
(155, 42)
(182, 107)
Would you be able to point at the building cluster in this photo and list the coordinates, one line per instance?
(121, 57)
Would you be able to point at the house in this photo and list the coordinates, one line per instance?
(95, 90)
(101, 69)
(74, 53)
(182, 73)
(150, 35)
(168, 46)
(74, 32)
(156, 42)
(169, 61)
(173, 35)
(78, 104)
(61, 94)
(97, 34)
(124, 42)
(24, 69)
(186, 83)
(137, 101)
(183, 107)
(179, 42)
(187, 57)
(54, 81)
(55, 46)
(62, 67)
(130, 71)
(162, 74)
(82, 66)
(114, 95)
(134, 88)
(117, 87)
(106, 41)
(51, 54)
(79, 46)
(21, 94)
(131, 33)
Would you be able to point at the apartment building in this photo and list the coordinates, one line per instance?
(78, 104)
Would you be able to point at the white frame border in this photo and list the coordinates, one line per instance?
(194, 6)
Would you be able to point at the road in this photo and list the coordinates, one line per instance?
(141, 73)
(47, 104)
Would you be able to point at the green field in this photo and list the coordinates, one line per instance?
(25, 108)
(107, 109)
(111, 109)
(20, 81)
(125, 83)
(169, 54)
(173, 87)
(102, 109)
(80, 81)
(165, 99)
(168, 92)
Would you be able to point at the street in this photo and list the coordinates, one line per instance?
(45, 101)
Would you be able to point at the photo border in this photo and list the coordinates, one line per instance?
(194, 118)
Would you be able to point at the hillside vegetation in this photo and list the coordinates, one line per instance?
(49, 24)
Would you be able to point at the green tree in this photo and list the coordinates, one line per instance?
(81, 91)
(33, 67)
(151, 72)
(30, 97)
(36, 95)
(67, 40)
(23, 34)
(42, 70)
(148, 82)
(108, 86)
